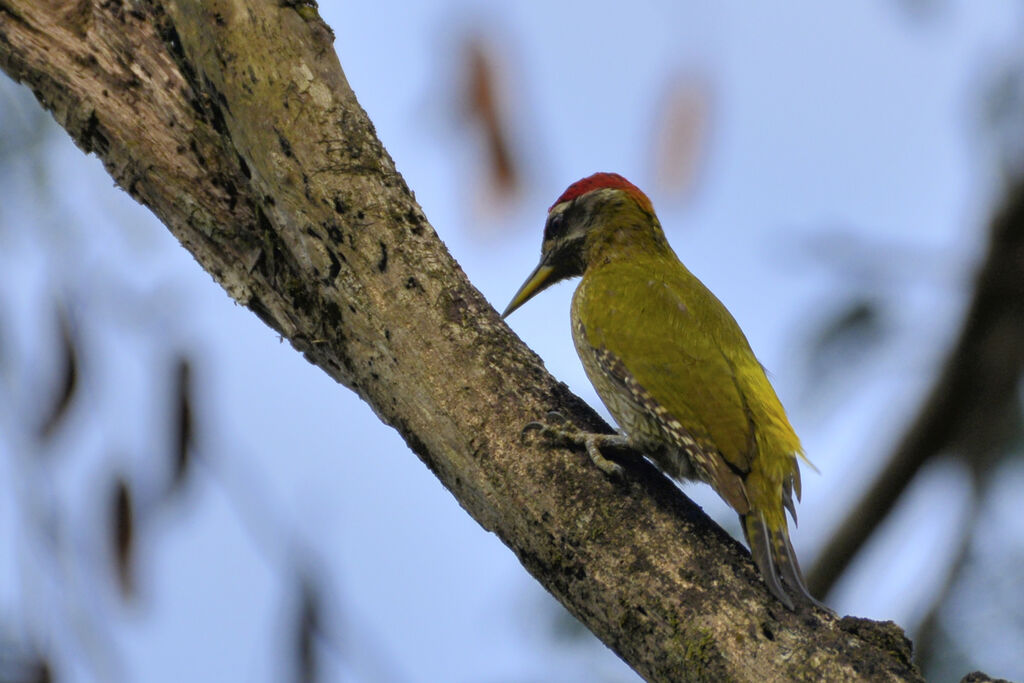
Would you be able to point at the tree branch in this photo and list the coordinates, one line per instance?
(233, 122)
(973, 410)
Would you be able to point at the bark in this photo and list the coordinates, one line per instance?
(233, 122)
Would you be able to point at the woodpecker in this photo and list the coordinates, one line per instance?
(672, 366)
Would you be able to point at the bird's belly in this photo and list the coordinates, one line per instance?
(636, 422)
(647, 435)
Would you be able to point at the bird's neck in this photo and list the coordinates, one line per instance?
(638, 239)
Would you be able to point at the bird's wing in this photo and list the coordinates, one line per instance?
(663, 341)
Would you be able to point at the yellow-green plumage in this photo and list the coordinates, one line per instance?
(683, 348)
(671, 364)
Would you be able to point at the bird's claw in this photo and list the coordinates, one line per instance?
(535, 426)
(552, 427)
(560, 432)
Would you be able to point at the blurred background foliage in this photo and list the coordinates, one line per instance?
(181, 497)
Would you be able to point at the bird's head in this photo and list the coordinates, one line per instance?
(589, 215)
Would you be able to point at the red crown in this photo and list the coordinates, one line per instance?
(600, 181)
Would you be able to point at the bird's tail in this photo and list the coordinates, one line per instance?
(775, 558)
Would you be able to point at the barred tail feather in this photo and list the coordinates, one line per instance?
(759, 539)
(791, 573)
(791, 482)
(774, 556)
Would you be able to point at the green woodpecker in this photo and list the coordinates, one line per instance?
(671, 365)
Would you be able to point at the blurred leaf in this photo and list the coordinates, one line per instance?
(845, 339)
(681, 132)
(483, 104)
(181, 424)
(43, 672)
(123, 536)
(1003, 110)
(23, 663)
(921, 11)
(307, 626)
(68, 381)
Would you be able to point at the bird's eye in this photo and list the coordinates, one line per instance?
(554, 226)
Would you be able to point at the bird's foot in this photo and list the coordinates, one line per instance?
(560, 432)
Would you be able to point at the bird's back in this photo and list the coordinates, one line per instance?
(676, 342)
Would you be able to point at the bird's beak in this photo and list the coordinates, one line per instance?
(537, 281)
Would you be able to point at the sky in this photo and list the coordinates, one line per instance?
(850, 129)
